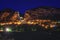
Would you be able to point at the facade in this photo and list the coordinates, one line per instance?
(43, 13)
(43, 16)
(7, 15)
(38, 17)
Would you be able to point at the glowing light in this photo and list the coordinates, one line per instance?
(1, 30)
(2, 23)
(46, 26)
(15, 23)
(51, 26)
(28, 22)
(8, 30)
(44, 20)
(21, 18)
(37, 20)
(32, 22)
(10, 22)
(19, 23)
(43, 25)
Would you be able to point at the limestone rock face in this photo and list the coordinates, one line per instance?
(43, 13)
(9, 15)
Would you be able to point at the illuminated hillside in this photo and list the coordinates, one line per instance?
(43, 16)
(43, 13)
(8, 15)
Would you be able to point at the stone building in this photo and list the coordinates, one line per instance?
(9, 15)
(42, 13)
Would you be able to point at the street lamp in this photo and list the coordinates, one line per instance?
(8, 29)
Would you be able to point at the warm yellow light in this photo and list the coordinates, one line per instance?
(46, 26)
(6, 23)
(37, 20)
(43, 25)
(51, 26)
(28, 22)
(1, 30)
(44, 20)
(32, 22)
(15, 23)
(18, 23)
(2, 23)
(40, 20)
(54, 22)
(10, 22)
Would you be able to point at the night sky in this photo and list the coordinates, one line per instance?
(22, 5)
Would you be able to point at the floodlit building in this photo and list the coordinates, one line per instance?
(42, 15)
(46, 17)
(9, 16)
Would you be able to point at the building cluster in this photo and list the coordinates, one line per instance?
(9, 15)
(43, 16)
(43, 13)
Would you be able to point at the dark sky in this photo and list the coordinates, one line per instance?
(22, 5)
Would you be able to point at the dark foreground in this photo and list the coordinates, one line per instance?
(42, 35)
